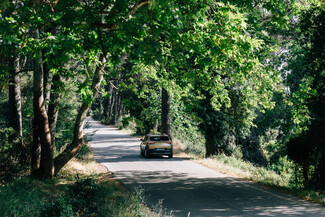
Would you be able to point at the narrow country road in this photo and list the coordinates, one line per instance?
(186, 188)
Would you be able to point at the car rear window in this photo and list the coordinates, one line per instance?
(159, 138)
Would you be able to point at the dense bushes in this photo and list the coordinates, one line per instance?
(12, 164)
(81, 199)
(85, 197)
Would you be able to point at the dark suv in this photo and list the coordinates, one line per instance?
(156, 145)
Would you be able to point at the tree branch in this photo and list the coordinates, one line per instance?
(137, 6)
(133, 10)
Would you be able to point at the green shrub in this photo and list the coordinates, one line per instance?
(83, 152)
(11, 155)
(58, 208)
(22, 198)
(84, 195)
(81, 199)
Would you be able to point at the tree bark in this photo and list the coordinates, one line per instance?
(35, 151)
(41, 119)
(114, 106)
(15, 113)
(106, 104)
(48, 76)
(53, 110)
(210, 145)
(73, 148)
(165, 113)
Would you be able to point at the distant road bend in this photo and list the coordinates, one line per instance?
(186, 188)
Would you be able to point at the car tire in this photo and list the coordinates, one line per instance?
(146, 154)
(141, 152)
(171, 155)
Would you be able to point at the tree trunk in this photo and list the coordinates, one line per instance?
(305, 173)
(321, 171)
(73, 148)
(210, 145)
(106, 104)
(114, 106)
(165, 113)
(48, 76)
(35, 151)
(41, 118)
(54, 106)
(112, 103)
(15, 114)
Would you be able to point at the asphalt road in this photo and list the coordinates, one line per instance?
(188, 189)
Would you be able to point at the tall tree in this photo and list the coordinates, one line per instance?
(10, 53)
(15, 104)
(41, 118)
(306, 148)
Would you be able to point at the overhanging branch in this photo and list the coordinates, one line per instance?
(137, 6)
(133, 10)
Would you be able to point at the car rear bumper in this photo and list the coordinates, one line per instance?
(160, 151)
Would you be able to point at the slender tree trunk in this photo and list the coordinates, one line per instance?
(322, 171)
(118, 102)
(41, 119)
(35, 151)
(15, 115)
(48, 76)
(165, 113)
(305, 173)
(54, 106)
(72, 149)
(110, 104)
(106, 104)
(114, 107)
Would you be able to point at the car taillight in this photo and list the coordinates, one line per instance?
(169, 142)
(151, 142)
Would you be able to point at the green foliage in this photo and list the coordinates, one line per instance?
(85, 197)
(306, 147)
(249, 171)
(24, 197)
(11, 154)
(219, 62)
(68, 109)
(83, 152)
(141, 95)
(185, 127)
(58, 208)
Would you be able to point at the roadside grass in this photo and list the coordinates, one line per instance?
(82, 188)
(243, 169)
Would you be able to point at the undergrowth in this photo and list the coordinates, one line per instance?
(82, 188)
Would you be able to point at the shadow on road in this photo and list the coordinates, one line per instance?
(223, 196)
